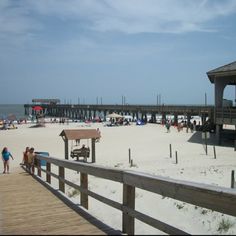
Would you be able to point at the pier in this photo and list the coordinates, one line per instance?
(90, 111)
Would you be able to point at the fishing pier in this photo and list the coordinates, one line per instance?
(90, 111)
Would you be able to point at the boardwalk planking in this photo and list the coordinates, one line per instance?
(27, 207)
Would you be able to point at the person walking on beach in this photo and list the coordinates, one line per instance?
(6, 159)
(168, 126)
(31, 156)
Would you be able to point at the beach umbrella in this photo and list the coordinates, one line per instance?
(37, 108)
(114, 115)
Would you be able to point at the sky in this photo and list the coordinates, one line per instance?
(93, 51)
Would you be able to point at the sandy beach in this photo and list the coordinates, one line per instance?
(149, 145)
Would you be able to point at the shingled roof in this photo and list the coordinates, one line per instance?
(227, 71)
(73, 134)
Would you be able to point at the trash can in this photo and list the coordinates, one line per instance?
(43, 162)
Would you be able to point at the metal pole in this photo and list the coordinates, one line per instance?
(206, 141)
(170, 151)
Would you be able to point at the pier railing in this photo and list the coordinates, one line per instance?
(69, 109)
(219, 199)
(226, 115)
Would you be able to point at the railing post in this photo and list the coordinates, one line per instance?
(61, 175)
(48, 176)
(39, 167)
(84, 185)
(93, 151)
(128, 201)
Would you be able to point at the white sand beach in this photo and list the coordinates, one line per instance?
(149, 146)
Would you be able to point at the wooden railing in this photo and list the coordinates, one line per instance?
(215, 198)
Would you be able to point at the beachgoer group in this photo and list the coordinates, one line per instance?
(29, 159)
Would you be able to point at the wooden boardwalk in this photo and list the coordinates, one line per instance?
(28, 207)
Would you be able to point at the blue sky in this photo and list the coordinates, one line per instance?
(81, 50)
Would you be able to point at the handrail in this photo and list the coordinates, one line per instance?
(212, 197)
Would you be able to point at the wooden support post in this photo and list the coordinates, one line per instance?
(232, 179)
(61, 175)
(93, 151)
(131, 163)
(66, 149)
(170, 151)
(84, 185)
(214, 149)
(128, 201)
(39, 167)
(129, 155)
(176, 157)
(48, 176)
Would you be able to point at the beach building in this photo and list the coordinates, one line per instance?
(45, 101)
(225, 110)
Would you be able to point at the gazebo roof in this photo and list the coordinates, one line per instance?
(73, 134)
(225, 72)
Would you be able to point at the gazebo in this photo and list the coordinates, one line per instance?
(225, 112)
(78, 134)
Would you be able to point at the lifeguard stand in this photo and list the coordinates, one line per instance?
(78, 134)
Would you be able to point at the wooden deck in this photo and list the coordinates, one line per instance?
(28, 207)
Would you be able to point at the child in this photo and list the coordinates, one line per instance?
(5, 157)
(31, 156)
(25, 156)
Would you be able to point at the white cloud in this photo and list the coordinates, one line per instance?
(128, 16)
(137, 16)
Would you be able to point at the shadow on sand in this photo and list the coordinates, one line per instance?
(39, 125)
(227, 138)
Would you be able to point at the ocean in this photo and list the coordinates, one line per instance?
(12, 109)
